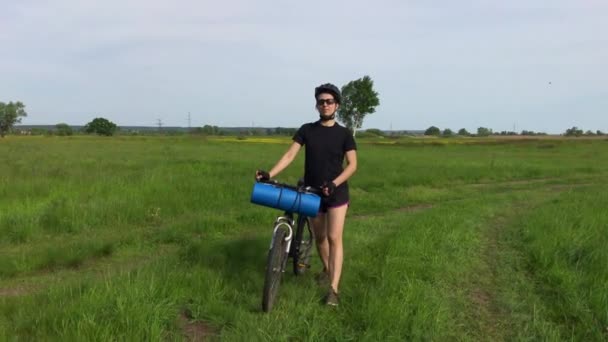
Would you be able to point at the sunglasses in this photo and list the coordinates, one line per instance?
(320, 102)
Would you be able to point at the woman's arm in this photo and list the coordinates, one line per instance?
(349, 170)
(286, 159)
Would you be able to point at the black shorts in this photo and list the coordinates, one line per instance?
(339, 198)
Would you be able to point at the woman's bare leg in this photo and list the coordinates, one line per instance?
(335, 228)
(319, 226)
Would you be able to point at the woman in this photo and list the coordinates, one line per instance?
(327, 143)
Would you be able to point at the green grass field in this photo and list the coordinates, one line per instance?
(154, 238)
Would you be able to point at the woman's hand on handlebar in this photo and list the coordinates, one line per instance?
(328, 188)
(261, 175)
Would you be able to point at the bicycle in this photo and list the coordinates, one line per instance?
(286, 243)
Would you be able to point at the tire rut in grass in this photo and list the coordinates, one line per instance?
(35, 282)
(406, 209)
(513, 182)
(496, 269)
(17, 291)
(492, 320)
(487, 315)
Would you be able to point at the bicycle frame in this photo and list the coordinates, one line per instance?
(280, 251)
(287, 220)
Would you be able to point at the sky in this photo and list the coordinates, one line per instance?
(506, 65)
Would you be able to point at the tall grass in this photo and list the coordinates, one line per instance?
(564, 242)
(169, 220)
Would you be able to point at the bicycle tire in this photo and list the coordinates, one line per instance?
(304, 240)
(274, 270)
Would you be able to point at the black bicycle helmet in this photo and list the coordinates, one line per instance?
(330, 89)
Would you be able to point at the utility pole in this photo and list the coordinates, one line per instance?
(189, 121)
(159, 122)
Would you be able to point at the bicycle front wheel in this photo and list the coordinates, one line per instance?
(274, 269)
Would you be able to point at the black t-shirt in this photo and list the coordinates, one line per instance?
(325, 150)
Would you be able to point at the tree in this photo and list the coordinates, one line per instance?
(484, 132)
(210, 130)
(10, 114)
(447, 132)
(278, 131)
(358, 100)
(101, 126)
(37, 131)
(573, 132)
(510, 133)
(63, 129)
(598, 132)
(463, 132)
(432, 131)
(375, 131)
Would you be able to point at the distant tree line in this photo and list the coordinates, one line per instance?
(281, 131)
(101, 126)
(577, 132)
(207, 130)
(481, 132)
(11, 113)
(484, 132)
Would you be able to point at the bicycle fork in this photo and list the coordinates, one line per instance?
(283, 223)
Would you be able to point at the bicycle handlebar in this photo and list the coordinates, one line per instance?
(311, 189)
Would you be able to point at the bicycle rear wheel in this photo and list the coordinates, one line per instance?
(274, 269)
(304, 241)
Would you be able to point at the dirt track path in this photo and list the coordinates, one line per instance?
(489, 317)
(492, 320)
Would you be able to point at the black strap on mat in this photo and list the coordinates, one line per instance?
(297, 200)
